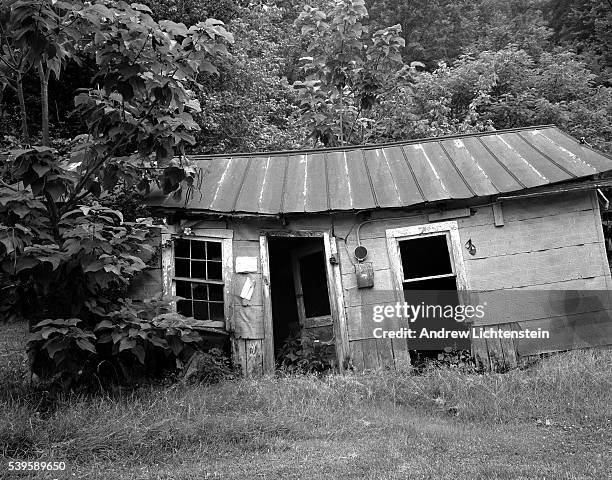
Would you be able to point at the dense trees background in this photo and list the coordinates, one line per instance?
(485, 64)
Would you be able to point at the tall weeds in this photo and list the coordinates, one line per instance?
(571, 388)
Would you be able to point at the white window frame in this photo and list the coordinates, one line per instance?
(227, 265)
(451, 231)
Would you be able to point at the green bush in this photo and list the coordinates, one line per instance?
(209, 367)
(125, 346)
(305, 355)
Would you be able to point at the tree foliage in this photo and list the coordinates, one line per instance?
(66, 261)
(585, 26)
(507, 76)
(348, 71)
(442, 30)
(37, 35)
(250, 105)
(191, 12)
(506, 88)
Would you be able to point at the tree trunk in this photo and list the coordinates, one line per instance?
(44, 102)
(341, 117)
(1, 106)
(22, 108)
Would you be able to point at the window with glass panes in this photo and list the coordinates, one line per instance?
(198, 278)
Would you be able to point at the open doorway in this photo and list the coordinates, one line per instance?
(301, 315)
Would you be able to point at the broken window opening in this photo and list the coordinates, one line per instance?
(429, 278)
(425, 258)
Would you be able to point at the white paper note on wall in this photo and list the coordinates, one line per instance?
(246, 264)
(247, 288)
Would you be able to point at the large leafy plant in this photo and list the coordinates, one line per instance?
(348, 71)
(124, 345)
(66, 260)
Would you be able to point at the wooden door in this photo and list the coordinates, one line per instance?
(311, 292)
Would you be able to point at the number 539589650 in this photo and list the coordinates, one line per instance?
(29, 466)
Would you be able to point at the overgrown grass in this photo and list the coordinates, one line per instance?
(551, 421)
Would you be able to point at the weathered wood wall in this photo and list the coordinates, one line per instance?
(546, 267)
(545, 244)
(541, 244)
(247, 315)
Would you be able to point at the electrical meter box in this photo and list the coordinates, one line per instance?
(364, 271)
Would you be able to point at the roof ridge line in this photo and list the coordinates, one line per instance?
(204, 156)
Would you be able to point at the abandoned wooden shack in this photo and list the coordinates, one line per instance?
(308, 242)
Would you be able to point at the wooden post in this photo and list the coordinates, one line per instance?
(268, 341)
(498, 214)
(167, 264)
(334, 285)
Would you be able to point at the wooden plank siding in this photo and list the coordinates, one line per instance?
(254, 365)
(548, 257)
(550, 243)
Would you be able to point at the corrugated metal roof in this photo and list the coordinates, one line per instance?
(390, 175)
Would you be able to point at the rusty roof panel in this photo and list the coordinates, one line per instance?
(471, 171)
(569, 153)
(552, 170)
(270, 197)
(361, 190)
(521, 169)
(451, 177)
(340, 194)
(295, 184)
(409, 193)
(399, 174)
(316, 183)
(383, 183)
(212, 174)
(248, 199)
(587, 155)
(229, 185)
(498, 173)
(426, 173)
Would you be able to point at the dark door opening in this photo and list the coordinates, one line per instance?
(301, 314)
(429, 280)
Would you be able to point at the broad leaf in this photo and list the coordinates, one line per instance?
(85, 344)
